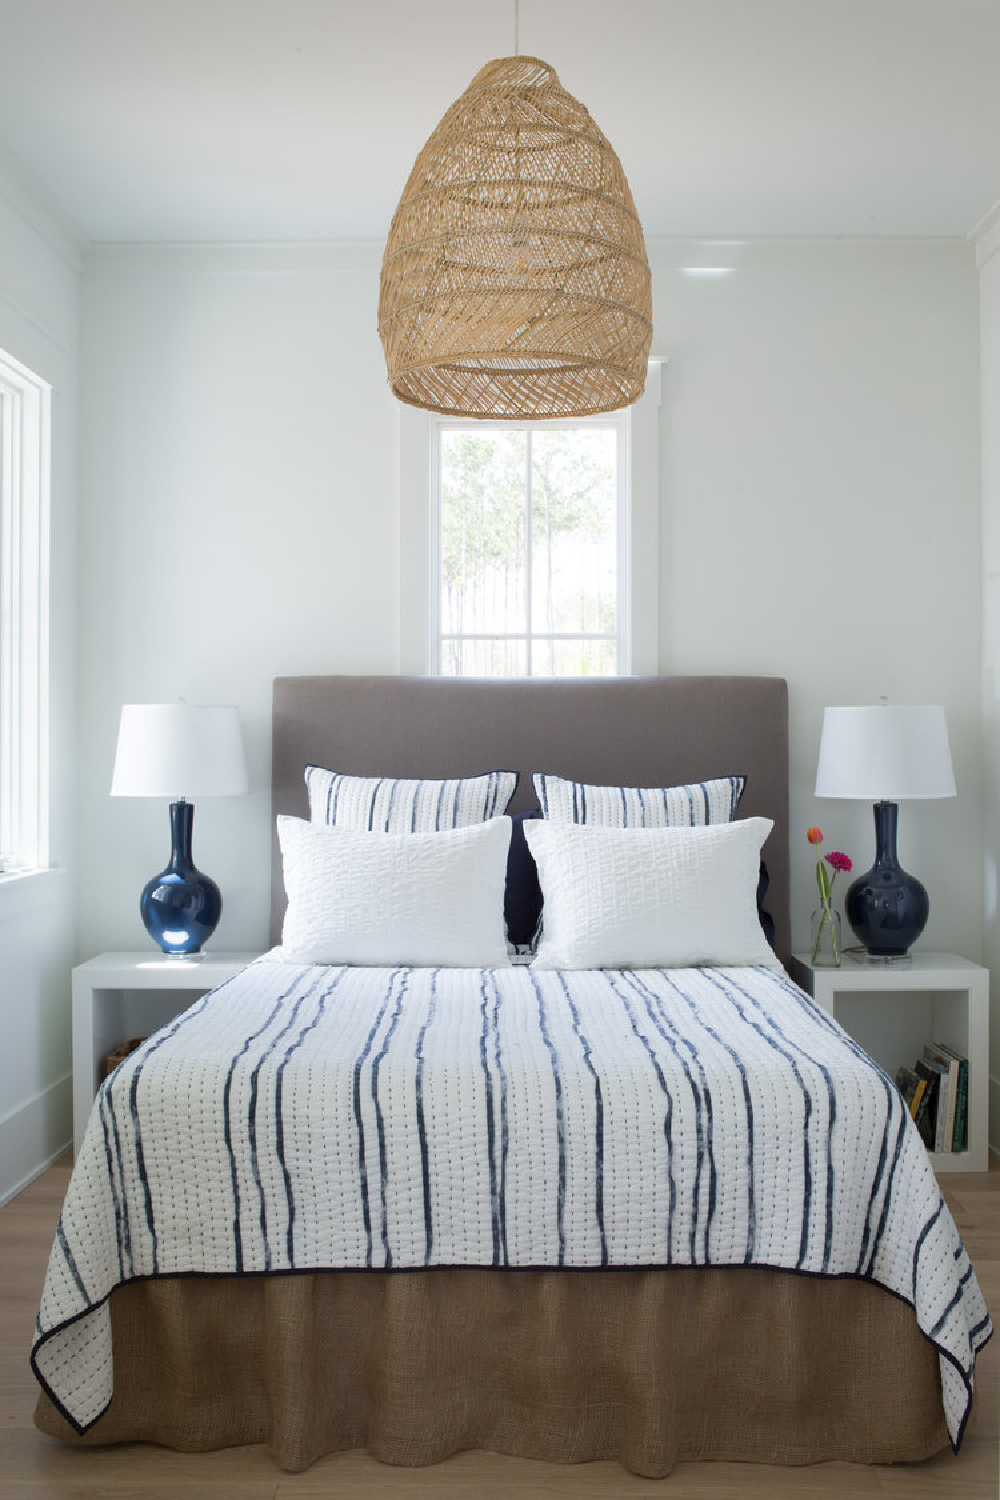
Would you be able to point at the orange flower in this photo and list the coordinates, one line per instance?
(814, 835)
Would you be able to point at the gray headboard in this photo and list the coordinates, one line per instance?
(638, 731)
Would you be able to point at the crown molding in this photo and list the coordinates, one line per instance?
(249, 258)
(986, 235)
(29, 203)
(691, 255)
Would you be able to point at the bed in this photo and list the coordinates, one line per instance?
(414, 1273)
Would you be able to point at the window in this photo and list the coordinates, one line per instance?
(530, 549)
(527, 527)
(24, 517)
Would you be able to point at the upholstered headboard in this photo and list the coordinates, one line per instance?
(638, 731)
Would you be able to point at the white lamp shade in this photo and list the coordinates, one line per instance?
(887, 753)
(179, 750)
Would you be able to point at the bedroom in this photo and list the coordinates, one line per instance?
(224, 466)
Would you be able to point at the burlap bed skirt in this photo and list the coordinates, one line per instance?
(648, 1367)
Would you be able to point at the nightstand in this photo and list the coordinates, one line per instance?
(894, 1009)
(118, 995)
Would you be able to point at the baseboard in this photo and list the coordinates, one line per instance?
(34, 1135)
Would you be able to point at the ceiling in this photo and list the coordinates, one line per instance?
(288, 120)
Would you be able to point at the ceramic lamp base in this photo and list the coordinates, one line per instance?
(886, 908)
(180, 907)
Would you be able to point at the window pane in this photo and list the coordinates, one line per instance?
(489, 658)
(482, 532)
(573, 658)
(573, 530)
(528, 554)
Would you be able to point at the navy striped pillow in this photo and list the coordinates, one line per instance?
(689, 806)
(392, 804)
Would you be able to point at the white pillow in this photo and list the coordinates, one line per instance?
(686, 806)
(629, 898)
(393, 804)
(386, 898)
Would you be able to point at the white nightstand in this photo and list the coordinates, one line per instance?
(894, 1009)
(120, 995)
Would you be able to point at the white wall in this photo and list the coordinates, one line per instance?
(820, 519)
(821, 514)
(237, 522)
(989, 258)
(38, 325)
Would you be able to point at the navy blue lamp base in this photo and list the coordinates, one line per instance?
(887, 908)
(180, 907)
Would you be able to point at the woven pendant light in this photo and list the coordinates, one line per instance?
(515, 282)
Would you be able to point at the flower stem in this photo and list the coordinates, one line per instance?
(827, 916)
(819, 935)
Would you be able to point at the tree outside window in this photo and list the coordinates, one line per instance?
(528, 528)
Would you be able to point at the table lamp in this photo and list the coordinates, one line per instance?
(179, 750)
(885, 755)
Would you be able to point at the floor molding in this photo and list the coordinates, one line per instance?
(35, 1135)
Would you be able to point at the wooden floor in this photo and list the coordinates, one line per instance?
(33, 1466)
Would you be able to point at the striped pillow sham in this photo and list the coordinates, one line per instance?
(391, 804)
(689, 806)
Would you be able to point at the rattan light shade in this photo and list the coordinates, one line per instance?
(515, 282)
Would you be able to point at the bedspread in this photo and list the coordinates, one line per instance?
(303, 1118)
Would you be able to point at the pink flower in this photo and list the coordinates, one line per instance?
(814, 835)
(839, 861)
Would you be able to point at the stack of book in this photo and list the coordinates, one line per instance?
(936, 1090)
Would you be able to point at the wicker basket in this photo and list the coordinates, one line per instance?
(119, 1054)
(515, 282)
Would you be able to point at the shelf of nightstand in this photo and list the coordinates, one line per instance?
(930, 997)
(116, 994)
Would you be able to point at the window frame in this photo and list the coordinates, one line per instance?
(25, 482)
(638, 542)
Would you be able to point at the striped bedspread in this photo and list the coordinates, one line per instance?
(315, 1118)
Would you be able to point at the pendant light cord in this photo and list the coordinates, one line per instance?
(517, 28)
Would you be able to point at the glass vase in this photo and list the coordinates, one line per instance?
(824, 937)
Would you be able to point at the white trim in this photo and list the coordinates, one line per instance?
(624, 549)
(8, 1194)
(435, 427)
(234, 258)
(24, 615)
(34, 1135)
(415, 583)
(638, 570)
(643, 550)
(529, 548)
(28, 202)
(986, 235)
(29, 317)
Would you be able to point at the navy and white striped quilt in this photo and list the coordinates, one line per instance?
(307, 1118)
